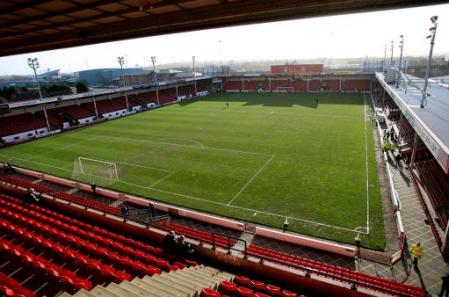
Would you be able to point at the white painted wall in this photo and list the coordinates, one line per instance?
(86, 120)
(25, 135)
(115, 114)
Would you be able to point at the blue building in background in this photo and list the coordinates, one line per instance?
(105, 76)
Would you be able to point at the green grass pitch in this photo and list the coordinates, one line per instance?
(262, 159)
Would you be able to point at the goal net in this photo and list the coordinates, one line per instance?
(95, 171)
(285, 89)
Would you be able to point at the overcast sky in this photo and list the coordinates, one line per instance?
(354, 35)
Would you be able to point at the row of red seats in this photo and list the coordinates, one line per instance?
(101, 231)
(54, 117)
(436, 185)
(199, 235)
(9, 202)
(148, 97)
(69, 234)
(106, 255)
(62, 195)
(233, 85)
(78, 112)
(10, 125)
(64, 252)
(103, 106)
(357, 84)
(244, 287)
(167, 96)
(187, 90)
(253, 85)
(340, 273)
(63, 275)
(87, 233)
(11, 288)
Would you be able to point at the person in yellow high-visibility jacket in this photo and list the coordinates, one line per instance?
(417, 252)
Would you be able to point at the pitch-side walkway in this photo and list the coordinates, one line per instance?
(432, 266)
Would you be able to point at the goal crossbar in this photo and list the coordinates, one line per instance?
(285, 89)
(109, 168)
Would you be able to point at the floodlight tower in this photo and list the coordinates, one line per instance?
(34, 64)
(401, 47)
(219, 55)
(385, 56)
(433, 32)
(194, 74)
(392, 50)
(121, 61)
(153, 61)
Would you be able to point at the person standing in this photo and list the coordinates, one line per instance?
(417, 252)
(445, 286)
(93, 186)
(151, 210)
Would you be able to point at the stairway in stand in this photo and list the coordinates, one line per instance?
(187, 282)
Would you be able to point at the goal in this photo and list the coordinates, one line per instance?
(94, 170)
(285, 89)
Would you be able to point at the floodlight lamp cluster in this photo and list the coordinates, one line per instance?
(33, 63)
(121, 61)
(433, 29)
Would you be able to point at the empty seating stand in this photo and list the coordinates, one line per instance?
(61, 195)
(10, 125)
(201, 236)
(245, 287)
(71, 252)
(167, 96)
(335, 272)
(188, 282)
(10, 287)
(436, 185)
(78, 112)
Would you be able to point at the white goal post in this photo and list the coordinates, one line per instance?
(106, 171)
(285, 89)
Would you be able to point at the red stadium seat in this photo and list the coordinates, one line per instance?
(206, 292)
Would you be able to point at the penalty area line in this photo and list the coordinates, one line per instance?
(207, 200)
(250, 180)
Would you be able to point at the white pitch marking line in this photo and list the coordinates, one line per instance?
(209, 201)
(366, 167)
(162, 179)
(35, 162)
(186, 145)
(132, 164)
(251, 180)
(188, 139)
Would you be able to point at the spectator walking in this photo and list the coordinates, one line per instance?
(417, 252)
(125, 209)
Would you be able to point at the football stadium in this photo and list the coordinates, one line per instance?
(298, 181)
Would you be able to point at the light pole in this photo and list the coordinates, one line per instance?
(193, 74)
(219, 55)
(433, 32)
(34, 64)
(392, 50)
(153, 61)
(385, 56)
(401, 47)
(121, 61)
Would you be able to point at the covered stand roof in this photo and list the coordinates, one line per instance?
(431, 123)
(35, 25)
